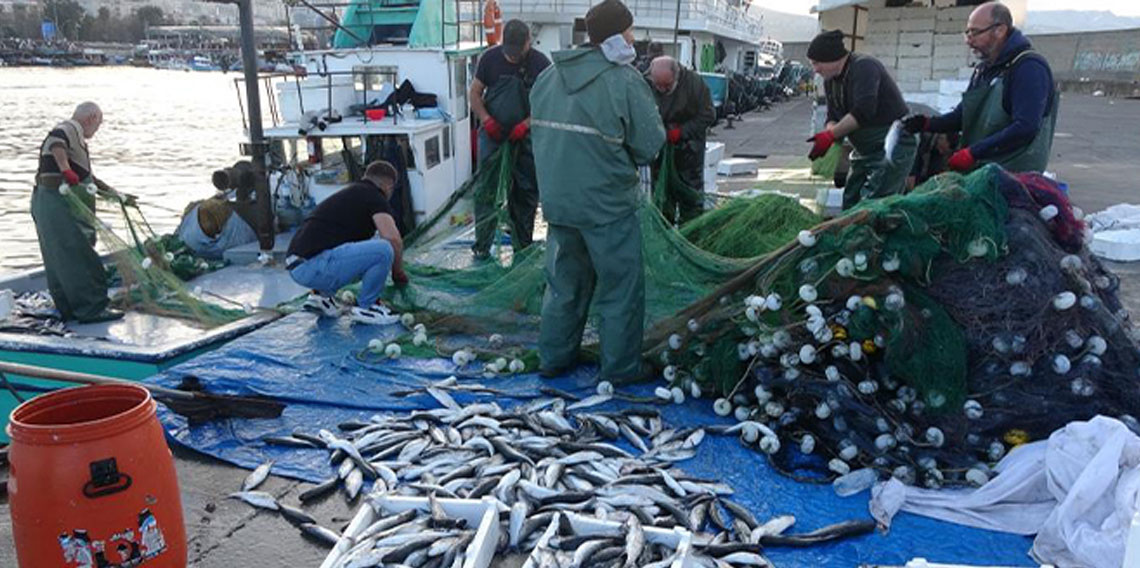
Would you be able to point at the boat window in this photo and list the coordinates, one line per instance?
(447, 142)
(376, 80)
(431, 152)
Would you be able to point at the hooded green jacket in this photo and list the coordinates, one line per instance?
(593, 123)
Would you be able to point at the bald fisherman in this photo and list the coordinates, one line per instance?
(1008, 113)
(686, 108)
(75, 275)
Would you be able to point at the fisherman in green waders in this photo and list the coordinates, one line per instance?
(499, 99)
(862, 103)
(1008, 113)
(687, 111)
(75, 275)
(594, 123)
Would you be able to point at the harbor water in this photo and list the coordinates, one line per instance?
(163, 134)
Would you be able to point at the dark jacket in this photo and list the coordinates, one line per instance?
(865, 90)
(689, 105)
(1027, 99)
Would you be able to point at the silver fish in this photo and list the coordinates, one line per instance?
(259, 499)
(255, 478)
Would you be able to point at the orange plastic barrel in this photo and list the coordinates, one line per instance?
(92, 481)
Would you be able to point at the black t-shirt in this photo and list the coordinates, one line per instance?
(865, 90)
(493, 64)
(343, 217)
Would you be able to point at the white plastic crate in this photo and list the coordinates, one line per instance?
(1120, 245)
(677, 538)
(737, 166)
(483, 514)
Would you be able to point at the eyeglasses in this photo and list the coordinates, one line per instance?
(969, 33)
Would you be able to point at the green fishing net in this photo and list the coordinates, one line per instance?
(150, 269)
(750, 227)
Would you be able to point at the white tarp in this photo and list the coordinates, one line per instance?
(1118, 217)
(1077, 491)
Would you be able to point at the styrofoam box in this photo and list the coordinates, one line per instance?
(946, 103)
(928, 99)
(737, 166)
(714, 152)
(882, 26)
(1123, 245)
(678, 539)
(949, 39)
(966, 72)
(953, 86)
(920, 50)
(483, 513)
(917, 24)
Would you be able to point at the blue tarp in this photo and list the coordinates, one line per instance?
(312, 365)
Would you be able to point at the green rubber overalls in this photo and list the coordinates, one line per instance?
(984, 116)
(871, 174)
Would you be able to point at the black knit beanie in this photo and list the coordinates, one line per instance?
(607, 19)
(827, 47)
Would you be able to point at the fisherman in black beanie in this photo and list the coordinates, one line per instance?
(862, 103)
(607, 19)
(827, 47)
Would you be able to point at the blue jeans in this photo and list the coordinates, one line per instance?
(330, 270)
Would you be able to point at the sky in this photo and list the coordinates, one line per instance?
(1119, 7)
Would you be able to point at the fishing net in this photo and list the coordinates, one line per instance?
(920, 335)
(148, 267)
(456, 295)
(670, 192)
(825, 165)
(749, 227)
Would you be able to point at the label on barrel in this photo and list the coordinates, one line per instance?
(131, 546)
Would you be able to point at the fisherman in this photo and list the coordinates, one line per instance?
(334, 247)
(75, 275)
(595, 123)
(687, 111)
(862, 103)
(499, 97)
(1008, 113)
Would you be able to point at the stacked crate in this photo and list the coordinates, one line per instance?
(923, 49)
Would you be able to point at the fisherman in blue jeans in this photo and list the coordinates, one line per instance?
(335, 246)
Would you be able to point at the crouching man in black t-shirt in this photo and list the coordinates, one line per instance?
(334, 247)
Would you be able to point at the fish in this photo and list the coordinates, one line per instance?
(259, 499)
(321, 535)
(892, 140)
(634, 542)
(295, 515)
(322, 488)
(255, 478)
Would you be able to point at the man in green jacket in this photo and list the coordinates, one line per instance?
(594, 122)
(687, 110)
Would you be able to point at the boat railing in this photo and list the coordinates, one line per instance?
(724, 17)
(460, 21)
(309, 93)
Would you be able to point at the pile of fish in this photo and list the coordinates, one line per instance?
(551, 455)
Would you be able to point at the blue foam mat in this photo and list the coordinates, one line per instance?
(312, 365)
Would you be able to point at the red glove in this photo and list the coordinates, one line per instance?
(493, 129)
(674, 135)
(520, 131)
(70, 177)
(961, 161)
(821, 143)
(399, 277)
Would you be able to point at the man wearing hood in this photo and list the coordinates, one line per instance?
(1008, 114)
(594, 122)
